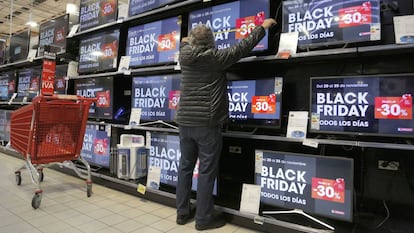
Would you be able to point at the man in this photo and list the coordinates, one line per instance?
(201, 112)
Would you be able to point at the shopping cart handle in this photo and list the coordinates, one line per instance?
(69, 97)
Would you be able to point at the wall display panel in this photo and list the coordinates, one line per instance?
(319, 185)
(322, 23)
(376, 105)
(94, 13)
(255, 102)
(7, 85)
(232, 22)
(154, 43)
(156, 96)
(99, 52)
(139, 6)
(19, 46)
(165, 153)
(96, 145)
(53, 33)
(101, 88)
(28, 84)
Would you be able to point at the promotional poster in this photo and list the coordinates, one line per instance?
(99, 52)
(371, 105)
(7, 85)
(100, 88)
(153, 43)
(94, 13)
(332, 21)
(96, 145)
(165, 153)
(156, 96)
(255, 101)
(139, 6)
(232, 22)
(54, 33)
(320, 185)
(28, 83)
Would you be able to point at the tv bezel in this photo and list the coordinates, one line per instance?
(353, 133)
(332, 43)
(34, 68)
(13, 72)
(99, 24)
(155, 7)
(258, 123)
(12, 57)
(53, 21)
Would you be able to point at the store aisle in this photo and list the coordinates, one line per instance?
(65, 207)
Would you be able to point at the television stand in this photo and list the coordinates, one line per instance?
(241, 130)
(158, 122)
(298, 211)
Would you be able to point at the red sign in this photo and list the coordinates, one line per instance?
(328, 190)
(167, 42)
(355, 15)
(100, 146)
(394, 107)
(264, 104)
(173, 99)
(48, 77)
(103, 99)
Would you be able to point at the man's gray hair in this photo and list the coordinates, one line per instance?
(202, 36)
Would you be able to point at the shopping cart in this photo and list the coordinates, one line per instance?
(50, 131)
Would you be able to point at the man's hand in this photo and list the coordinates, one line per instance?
(267, 23)
(185, 39)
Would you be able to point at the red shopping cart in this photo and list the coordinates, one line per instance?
(49, 131)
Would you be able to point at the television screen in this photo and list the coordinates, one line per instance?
(54, 33)
(139, 6)
(255, 102)
(96, 145)
(19, 46)
(319, 185)
(94, 13)
(379, 105)
(156, 96)
(7, 85)
(98, 52)
(154, 43)
(165, 153)
(231, 22)
(100, 88)
(60, 79)
(28, 84)
(332, 21)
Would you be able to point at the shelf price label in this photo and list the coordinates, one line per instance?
(103, 99)
(394, 107)
(355, 15)
(100, 146)
(264, 104)
(167, 42)
(173, 99)
(328, 190)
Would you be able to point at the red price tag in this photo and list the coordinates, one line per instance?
(328, 190)
(110, 50)
(355, 16)
(394, 107)
(100, 146)
(108, 8)
(104, 98)
(34, 84)
(60, 35)
(167, 42)
(264, 104)
(173, 99)
(245, 26)
(11, 84)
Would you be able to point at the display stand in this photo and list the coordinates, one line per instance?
(241, 130)
(158, 122)
(298, 211)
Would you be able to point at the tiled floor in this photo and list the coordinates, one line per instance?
(65, 207)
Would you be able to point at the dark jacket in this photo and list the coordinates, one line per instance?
(203, 90)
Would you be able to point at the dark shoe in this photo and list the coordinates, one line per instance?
(183, 219)
(217, 222)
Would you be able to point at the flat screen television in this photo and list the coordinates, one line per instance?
(372, 105)
(53, 33)
(94, 13)
(156, 96)
(330, 22)
(255, 102)
(19, 46)
(99, 52)
(154, 43)
(7, 85)
(96, 145)
(140, 6)
(320, 185)
(60, 79)
(231, 22)
(165, 153)
(28, 83)
(3, 46)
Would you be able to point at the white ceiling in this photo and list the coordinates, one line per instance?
(42, 11)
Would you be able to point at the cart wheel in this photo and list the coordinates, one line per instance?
(89, 190)
(18, 179)
(37, 198)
